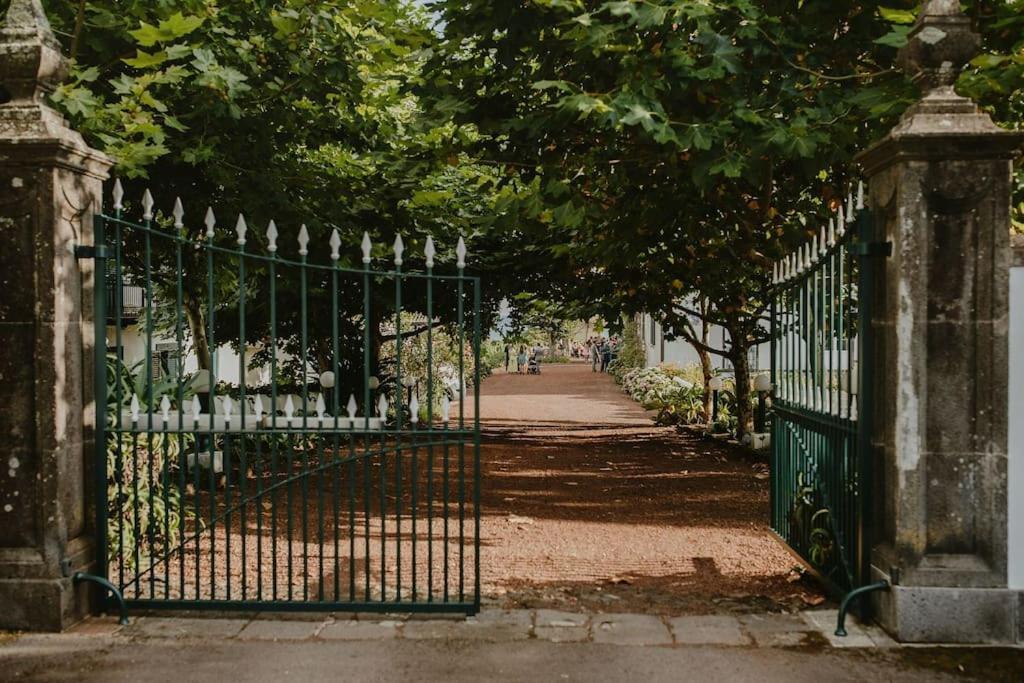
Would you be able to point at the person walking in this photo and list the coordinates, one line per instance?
(521, 360)
(508, 356)
(595, 355)
(606, 355)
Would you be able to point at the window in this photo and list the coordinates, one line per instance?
(165, 360)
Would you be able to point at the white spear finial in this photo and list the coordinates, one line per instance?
(165, 409)
(197, 408)
(228, 407)
(257, 407)
(147, 205)
(399, 248)
(178, 213)
(860, 194)
(414, 410)
(133, 408)
(303, 240)
(321, 406)
(118, 195)
(367, 246)
(823, 240)
(775, 273)
(210, 221)
(382, 406)
(240, 230)
(272, 237)
(831, 232)
(446, 408)
(849, 206)
(460, 252)
(289, 406)
(428, 251)
(335, 245)
(352, 406)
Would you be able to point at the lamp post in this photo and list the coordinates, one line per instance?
(715, 385)
(762, 385)
(327, 384)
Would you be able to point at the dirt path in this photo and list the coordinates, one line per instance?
(587, 504)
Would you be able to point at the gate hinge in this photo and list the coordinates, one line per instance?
(871, 249)
(100, 251)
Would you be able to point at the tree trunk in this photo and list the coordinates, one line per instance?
(707, 371)
(197, 329)
(741, 370)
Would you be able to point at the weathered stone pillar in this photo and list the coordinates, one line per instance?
(940, 192)
(50, 186)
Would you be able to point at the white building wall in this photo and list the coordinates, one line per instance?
(133, 340)
(680, 352)
(1015, 490)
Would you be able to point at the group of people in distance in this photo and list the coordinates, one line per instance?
(602, 352)
(599, 350)
(525, 362)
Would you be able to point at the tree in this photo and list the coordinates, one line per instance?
(301, 112)
(670, 149)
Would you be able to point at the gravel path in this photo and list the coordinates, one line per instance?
(585, 504)
(588, 504)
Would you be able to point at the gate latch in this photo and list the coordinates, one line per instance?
(100, 251)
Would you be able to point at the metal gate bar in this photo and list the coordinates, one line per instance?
(821, 375)
(282, 497)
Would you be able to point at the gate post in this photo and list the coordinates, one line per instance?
(940, 191)
(50, 186)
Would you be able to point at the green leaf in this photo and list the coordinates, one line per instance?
(169, 29)
(701, 140)
(989, 61)
(897, 16)
(897, 37)
(144, 60)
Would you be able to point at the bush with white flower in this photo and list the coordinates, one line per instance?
(654, 388)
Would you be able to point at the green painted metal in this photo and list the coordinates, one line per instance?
(270, 497)
(822, 376)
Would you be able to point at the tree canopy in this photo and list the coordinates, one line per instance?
(601, 156)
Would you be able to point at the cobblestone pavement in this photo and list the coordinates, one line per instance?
(500, 645)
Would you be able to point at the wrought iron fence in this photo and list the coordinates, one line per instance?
(821, 369)
(283, 496)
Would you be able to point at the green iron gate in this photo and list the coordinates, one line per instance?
(343, 480)
(822, 380)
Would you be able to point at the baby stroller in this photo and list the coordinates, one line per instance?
(533, 367)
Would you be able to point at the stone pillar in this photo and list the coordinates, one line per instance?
(50, 186)
(940, 193)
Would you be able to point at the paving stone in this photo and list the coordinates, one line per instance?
(185, 627)
(775, 623)
(557, 619)
(824, 621)
(495, 626)
(562, 634)
(630, 629)
(424, 629)
(96, 626)
(266, 629)
(708, 630)
(781, 638)
(359, 630)
(318, 617)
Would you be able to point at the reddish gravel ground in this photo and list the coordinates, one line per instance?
(587, 504)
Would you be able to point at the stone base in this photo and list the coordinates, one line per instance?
(41, 604)
(915, 614)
